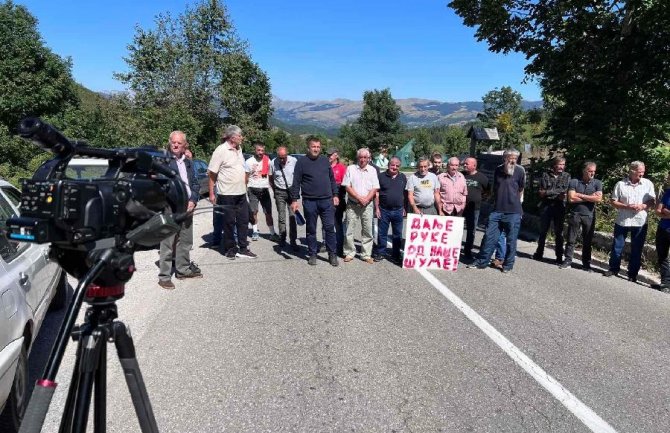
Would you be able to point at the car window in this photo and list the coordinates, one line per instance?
(9, 249)
(200, 166)
(13, 194)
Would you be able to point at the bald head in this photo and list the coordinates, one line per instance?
(470, 165)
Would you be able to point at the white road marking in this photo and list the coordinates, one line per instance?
(567, 399)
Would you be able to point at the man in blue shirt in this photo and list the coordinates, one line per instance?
(508, 184)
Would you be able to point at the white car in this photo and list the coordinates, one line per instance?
(29, 284)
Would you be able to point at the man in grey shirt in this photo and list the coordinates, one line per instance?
(423, 190)
(284, 163)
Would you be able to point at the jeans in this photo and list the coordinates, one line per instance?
(587, 225)
(181, 253)
(282, 202)
(508, 223)
(471, 216)
(319, 208)
(395, 219)
(662, 247)
(362, 214)
(554, 212)
(637, 237)
(235, 215)
(501, 247)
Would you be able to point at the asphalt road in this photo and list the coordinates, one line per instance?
(274, 345)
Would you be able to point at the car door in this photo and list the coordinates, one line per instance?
(200, 168)
(26, 263)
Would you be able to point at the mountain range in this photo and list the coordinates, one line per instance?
(415, 112)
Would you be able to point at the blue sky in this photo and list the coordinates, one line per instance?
(310, 49)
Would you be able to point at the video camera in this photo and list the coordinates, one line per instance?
(138, 202)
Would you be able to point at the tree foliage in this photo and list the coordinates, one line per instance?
(502, 110)
(33, 82)
(198, 64)
(604, 67)
(379, 121)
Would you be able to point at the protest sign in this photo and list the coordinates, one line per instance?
(432, 242)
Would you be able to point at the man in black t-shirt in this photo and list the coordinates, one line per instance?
(390, 204)
(583, 194)
(553, 191)
(477, 184)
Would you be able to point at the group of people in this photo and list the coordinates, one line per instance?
(348, 198)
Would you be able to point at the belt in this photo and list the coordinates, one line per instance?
(425, 207)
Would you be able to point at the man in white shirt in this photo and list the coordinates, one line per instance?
(226, 170)
(362, 184)
(281, 179)
(258, 189)
(632, 197)
(178, 246)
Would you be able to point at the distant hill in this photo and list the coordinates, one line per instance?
(416, 112)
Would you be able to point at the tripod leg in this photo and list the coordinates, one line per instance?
(66, 419)
(131, 370)
(100, 406)
(92, 345)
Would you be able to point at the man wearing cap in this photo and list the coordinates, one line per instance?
(281, 179)
(314, 177)
(362, 184)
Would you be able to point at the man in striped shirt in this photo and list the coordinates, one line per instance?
(632, 197)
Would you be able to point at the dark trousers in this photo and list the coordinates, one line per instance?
(340, 209)
(585, 223)
(508, 223)
(324, 209)
(217, 224)
(637, 237)
(552, 213)
(394, 218)
(471, 216)
(662, 247)
(235, 214)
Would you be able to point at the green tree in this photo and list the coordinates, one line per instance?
(198, 63)
(604, 67)
(33, 81)
(379, 122)
(423, 146)
(502, 110)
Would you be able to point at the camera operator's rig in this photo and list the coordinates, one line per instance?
(94, 226)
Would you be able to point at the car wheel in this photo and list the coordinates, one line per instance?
(11, 417)
(60, 297)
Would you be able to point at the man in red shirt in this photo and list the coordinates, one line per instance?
(338, 170)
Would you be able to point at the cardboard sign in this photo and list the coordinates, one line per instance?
(432, 242)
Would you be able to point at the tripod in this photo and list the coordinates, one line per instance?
(100, 327)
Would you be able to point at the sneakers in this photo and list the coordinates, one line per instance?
(565, 265)
(255, 236)
(505, 270)
(609, 274)
(194, 267)
(166, 284)
(231, 254)
(312, 260)
(378, 258)
(332, 259)
(246, 253)
(189, 274)
(474, 265)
